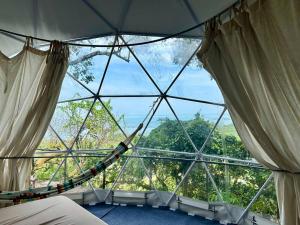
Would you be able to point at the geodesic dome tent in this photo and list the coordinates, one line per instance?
(135, 62)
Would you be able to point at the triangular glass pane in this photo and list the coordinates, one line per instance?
(237, 184)
(72, 90)
(225, 141)
(84, 163)
(165, 174)
(90, 162)
(196, 83)
(68, 118)
(44, 169)
(134, 177)
(50, 142)
(111, 173)
(196, 184)
(88, 64)
(266, 205)
(70, 169)
(197, 118)
(164, 133)
(125, 76)
(163, 60)
(130, 112)
(100, 131)
(226, 126)
(87, 161)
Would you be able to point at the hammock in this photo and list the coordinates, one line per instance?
(44, 192)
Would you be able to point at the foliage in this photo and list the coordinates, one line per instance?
(82, 70)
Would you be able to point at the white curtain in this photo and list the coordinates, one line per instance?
(29, 90)
(255, 59)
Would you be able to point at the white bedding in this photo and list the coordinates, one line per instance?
(55, 210)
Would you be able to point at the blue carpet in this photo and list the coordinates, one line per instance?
(132, 215)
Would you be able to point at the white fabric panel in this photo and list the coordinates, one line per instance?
(162, 17)
(255, 61)
(65, 19)
(30, 86)
(51, 211)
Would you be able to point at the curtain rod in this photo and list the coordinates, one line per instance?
(125, 45)
(178, 159)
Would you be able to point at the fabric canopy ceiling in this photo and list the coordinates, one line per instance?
(76, 19)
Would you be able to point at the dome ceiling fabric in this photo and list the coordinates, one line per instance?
(78, 19)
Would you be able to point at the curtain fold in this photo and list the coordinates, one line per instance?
(254, 58)
(29, 90)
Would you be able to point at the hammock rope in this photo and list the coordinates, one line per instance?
(44, 192)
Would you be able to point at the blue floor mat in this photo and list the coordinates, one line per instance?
(132, 215)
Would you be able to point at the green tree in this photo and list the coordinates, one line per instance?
(237, 184)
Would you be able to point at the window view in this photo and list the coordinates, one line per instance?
(188, 145)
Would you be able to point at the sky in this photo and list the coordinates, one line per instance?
(128, 78)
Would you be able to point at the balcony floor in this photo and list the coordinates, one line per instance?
(132, 215)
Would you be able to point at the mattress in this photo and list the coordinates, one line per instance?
(55, 210)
